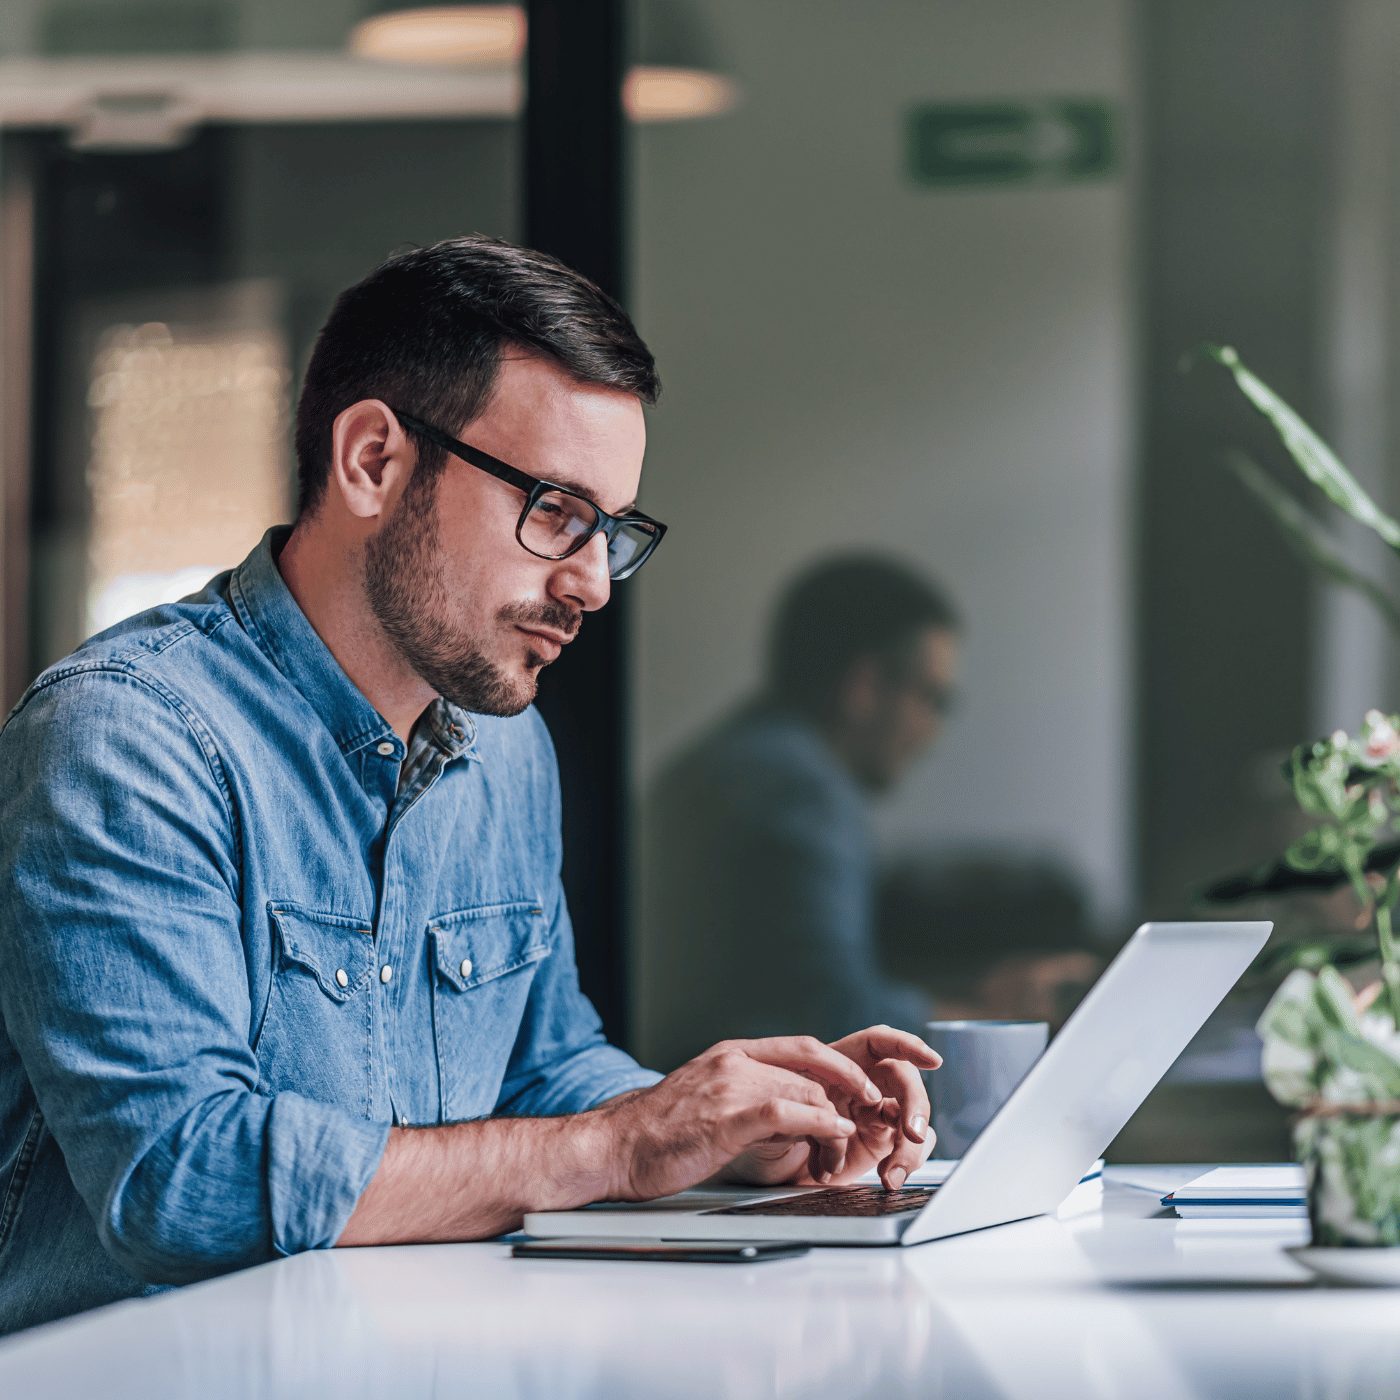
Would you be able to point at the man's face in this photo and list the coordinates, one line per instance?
(902, 710)
(473, 612)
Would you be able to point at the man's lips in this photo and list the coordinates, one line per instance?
(547, 639)
(558, 638)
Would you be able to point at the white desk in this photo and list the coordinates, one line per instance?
(1113, 1305)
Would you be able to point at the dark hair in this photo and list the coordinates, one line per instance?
(945, 922)
(425, 332)
(840, 611)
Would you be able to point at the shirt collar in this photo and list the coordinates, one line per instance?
(273, 618)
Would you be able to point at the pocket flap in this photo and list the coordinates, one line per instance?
(474, 945)
(336, 949)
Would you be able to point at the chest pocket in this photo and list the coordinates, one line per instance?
(316, 1034)
(484, 960)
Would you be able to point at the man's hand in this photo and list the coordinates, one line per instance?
(892, 1135)
(786, 1109)
(789, 1109)
(734, 1096)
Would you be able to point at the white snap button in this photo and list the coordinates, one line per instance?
(342, 978)
(466, 968)
(385, 973)
(386, 748)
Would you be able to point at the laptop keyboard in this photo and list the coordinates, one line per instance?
(840, 1200)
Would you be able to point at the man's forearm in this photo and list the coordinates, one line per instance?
(470, 1181)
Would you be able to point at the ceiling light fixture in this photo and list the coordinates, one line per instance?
(442, 35)
(655, 94)
(665, 86)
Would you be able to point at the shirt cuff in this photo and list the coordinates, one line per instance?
(319, 1161)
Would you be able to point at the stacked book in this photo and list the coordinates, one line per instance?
(1276, 1191)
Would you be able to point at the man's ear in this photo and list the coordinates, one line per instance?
(371, 458)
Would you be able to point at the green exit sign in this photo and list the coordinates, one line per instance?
(1045, 142)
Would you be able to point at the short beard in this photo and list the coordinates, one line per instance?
(404, 584)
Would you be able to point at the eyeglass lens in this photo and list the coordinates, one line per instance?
(558, 521)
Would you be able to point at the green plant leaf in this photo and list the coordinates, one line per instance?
(1379, 1073)
(1306, 537)
(1315, 459)
(1334, 999)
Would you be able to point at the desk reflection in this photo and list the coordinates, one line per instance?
(1097, 1308)
(443, 1323)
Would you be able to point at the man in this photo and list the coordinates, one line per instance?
(288, 958)
(759, 872)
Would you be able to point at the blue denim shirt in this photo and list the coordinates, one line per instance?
(243, 932)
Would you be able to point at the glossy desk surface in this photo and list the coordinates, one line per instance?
(1126, 1303)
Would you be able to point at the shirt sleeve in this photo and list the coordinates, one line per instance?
(561, 1062)
(127, 995)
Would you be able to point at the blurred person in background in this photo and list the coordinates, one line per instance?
(989, 937)
(759, 872)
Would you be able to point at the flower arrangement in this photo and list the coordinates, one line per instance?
(1330, 1053)
(1332, 1056)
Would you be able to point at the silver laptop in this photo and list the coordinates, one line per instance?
(1123, 1037)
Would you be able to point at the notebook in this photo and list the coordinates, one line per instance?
(1262, 1191)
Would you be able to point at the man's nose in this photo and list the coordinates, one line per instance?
(583, 577)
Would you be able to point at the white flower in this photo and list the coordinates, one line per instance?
(1377, 1027)
(1290, 1071)
(1380, 740)
(1343, 1085)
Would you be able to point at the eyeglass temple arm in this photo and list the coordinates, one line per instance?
(505, 472)
(484, 460)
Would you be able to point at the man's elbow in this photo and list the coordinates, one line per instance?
(165, 1225)
(159, 1248)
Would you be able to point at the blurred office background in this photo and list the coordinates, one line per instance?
(918, 275)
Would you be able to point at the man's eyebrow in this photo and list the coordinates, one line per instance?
(579, 489)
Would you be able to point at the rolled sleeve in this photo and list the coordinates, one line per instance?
(309, 1210)
(127, 991)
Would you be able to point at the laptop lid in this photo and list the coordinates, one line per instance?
(1122, 1038)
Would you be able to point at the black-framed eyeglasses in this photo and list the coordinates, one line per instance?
(556, 521)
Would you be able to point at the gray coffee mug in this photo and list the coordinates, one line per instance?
(983, 1061)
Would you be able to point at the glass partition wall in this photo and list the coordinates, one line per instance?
(959, 656)
(890, 295)
(184, 187)
(919, 299)
(181, 290)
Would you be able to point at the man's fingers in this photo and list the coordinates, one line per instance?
(907, 1151)
(804, 1054)
(886, 1043)
(788, 1084)
(779, 1117)
(831, 1158)
(901, 1081)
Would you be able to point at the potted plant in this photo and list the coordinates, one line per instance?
(1331, 1053)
